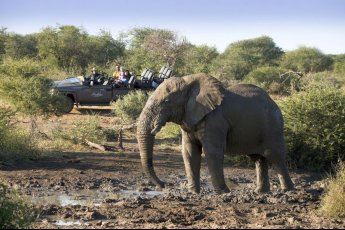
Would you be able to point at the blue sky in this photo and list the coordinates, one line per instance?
(291, 23)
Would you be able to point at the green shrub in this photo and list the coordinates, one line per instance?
(15, 144)
(170, 130)
(333, 202)
(269, 79)
(15, 212)
(322, 79)
(24, 87)
(315, 127)
(130, 106)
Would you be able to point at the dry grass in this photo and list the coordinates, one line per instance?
(333, 202)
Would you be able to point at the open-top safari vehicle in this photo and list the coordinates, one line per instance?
(79, 91)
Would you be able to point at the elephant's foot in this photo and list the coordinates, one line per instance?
(194, 189)
(262, 189)
(289, 187)
(220, 191)
(286, 183)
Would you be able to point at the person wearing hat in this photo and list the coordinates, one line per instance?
(94, 77)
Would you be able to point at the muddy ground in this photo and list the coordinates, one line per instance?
(109, 190)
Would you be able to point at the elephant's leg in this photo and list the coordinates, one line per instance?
(215, 159)
(191, 153)
(213, 136)
(215, 166)
(277, 158)
(262, 179)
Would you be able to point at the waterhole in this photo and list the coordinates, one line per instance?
(88, 197)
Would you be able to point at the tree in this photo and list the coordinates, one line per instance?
(19, 46)
(339, 64)
(103, 49)
(198, 59)
(306, 60)
(3, 37)
(64, 47)
(152, 48)
(241, 57)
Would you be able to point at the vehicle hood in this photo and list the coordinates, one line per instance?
(68, 82)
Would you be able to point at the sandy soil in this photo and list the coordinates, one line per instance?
(109, 190)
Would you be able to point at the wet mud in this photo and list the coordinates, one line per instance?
(109, 190)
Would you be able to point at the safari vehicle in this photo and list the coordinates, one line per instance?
(79, 91)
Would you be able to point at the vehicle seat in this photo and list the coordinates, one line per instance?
(131, 81)
(165, 73)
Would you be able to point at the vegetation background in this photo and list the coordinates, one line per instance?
(308, 84)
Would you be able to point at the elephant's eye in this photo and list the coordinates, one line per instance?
(166, 101)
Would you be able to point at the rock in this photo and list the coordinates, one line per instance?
(291, 220)
(94, 215)
(66, 215)
(108, 200)
(199, 216)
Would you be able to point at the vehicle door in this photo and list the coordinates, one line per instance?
(96, 94)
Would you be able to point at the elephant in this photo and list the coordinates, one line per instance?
(215, 121)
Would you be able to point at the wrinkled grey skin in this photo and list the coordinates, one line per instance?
(215, 121)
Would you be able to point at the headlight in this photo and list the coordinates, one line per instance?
(53, 91)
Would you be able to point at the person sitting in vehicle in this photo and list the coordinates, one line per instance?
(117, 72)
(95, 77)
(125, 77)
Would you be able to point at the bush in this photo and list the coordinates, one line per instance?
(269, 79)
(23, 86)
(315, 127)
(15, 144)
(333, 202)
(15, 212)
(322, 79)
(129, 107)
(170, 130)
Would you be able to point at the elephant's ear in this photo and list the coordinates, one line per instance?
(206, 93)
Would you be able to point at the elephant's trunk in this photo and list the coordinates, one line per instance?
(146, 141)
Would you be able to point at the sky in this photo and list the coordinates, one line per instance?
(218, 23)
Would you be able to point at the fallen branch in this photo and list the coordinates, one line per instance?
(102, 147)
(119, 139)
(94, 145)
(124, 127)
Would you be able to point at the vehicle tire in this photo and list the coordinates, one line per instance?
(69, 104)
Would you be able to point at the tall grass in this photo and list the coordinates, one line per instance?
(333, 202)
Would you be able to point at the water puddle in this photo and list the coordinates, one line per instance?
(89, 198)
(67, 223)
